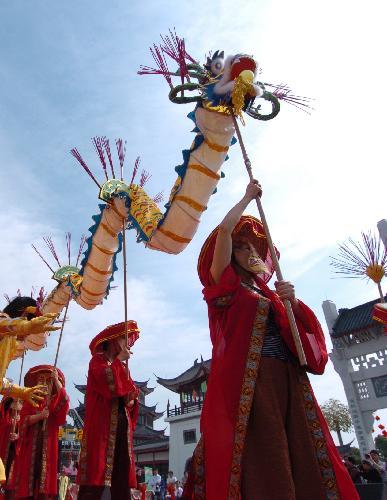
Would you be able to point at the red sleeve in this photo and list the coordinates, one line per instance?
(313, 340)
(59, 406)
(133, 413)
(110, 380)
(228, 284)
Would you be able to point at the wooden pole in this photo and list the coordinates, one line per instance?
(273, 254)
(21, 367)
(61, 332)
(125, 277)
(381, 292)
(125, 288)
(16, 412)
(49, 392)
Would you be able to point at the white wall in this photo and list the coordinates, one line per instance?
(178, 451)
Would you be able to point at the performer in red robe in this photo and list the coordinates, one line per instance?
(34, 474)
(107, 458)
(263, 434)
(9, 427)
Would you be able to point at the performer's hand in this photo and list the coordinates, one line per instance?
(285, 291)
(253, 190)
(45, 413)
(124, 354)
(41, 324)
(33, 395)
(57, 382)
(13, 436)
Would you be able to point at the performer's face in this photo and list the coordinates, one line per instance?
(42, 379)
(121, 344)
(17, 405)
(248, 258)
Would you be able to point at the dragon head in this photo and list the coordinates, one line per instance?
(239, 66)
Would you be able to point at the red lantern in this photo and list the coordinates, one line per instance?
(381, 426)
(385, 433)
(373, 430)
(377, 418)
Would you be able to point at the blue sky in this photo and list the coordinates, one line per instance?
(68, 73)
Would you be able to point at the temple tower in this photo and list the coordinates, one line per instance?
(184, 420)
(359, 356)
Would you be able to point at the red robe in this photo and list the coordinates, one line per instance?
(7, 448)
(106, 383)
(6, 423)
(237, 321)
(27, 461)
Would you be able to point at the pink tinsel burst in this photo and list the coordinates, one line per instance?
(68, 246)
(81, 245)
(43, 259)
(40, 299)
(99, 143)
(109, 155)
(50, 244)
(174, 47)
(145, 176)
(162, 65)
(283, 92)
(121, 151)
(135, 170)
(82, 162)
(159, 197)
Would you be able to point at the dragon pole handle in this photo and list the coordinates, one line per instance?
(173, 94)
(254, 112)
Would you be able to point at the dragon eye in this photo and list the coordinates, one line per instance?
(217, 66)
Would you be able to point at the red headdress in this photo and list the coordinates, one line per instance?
(380, 314)
(31, 377)
(248, 229)
(113, 332)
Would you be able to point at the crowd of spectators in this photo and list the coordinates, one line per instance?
(372, 469)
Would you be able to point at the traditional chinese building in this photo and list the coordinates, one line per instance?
(359, 356)
(151, 446)
(184, 419)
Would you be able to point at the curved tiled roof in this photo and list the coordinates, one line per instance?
(150, 410)
(197, 370)
(143, 386)
(355, 319)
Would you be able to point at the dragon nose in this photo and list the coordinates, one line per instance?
(247, 76)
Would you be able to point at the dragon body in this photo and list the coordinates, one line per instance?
(222, 89)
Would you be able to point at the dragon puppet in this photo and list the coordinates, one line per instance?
(224, 88)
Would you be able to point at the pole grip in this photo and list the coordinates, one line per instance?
(273, 254)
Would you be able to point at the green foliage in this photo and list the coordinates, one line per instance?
(337, 415)
(381, 446)
(355, 453)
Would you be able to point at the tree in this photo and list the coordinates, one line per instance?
(355, 453)
(337, 416)
(381, 445)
